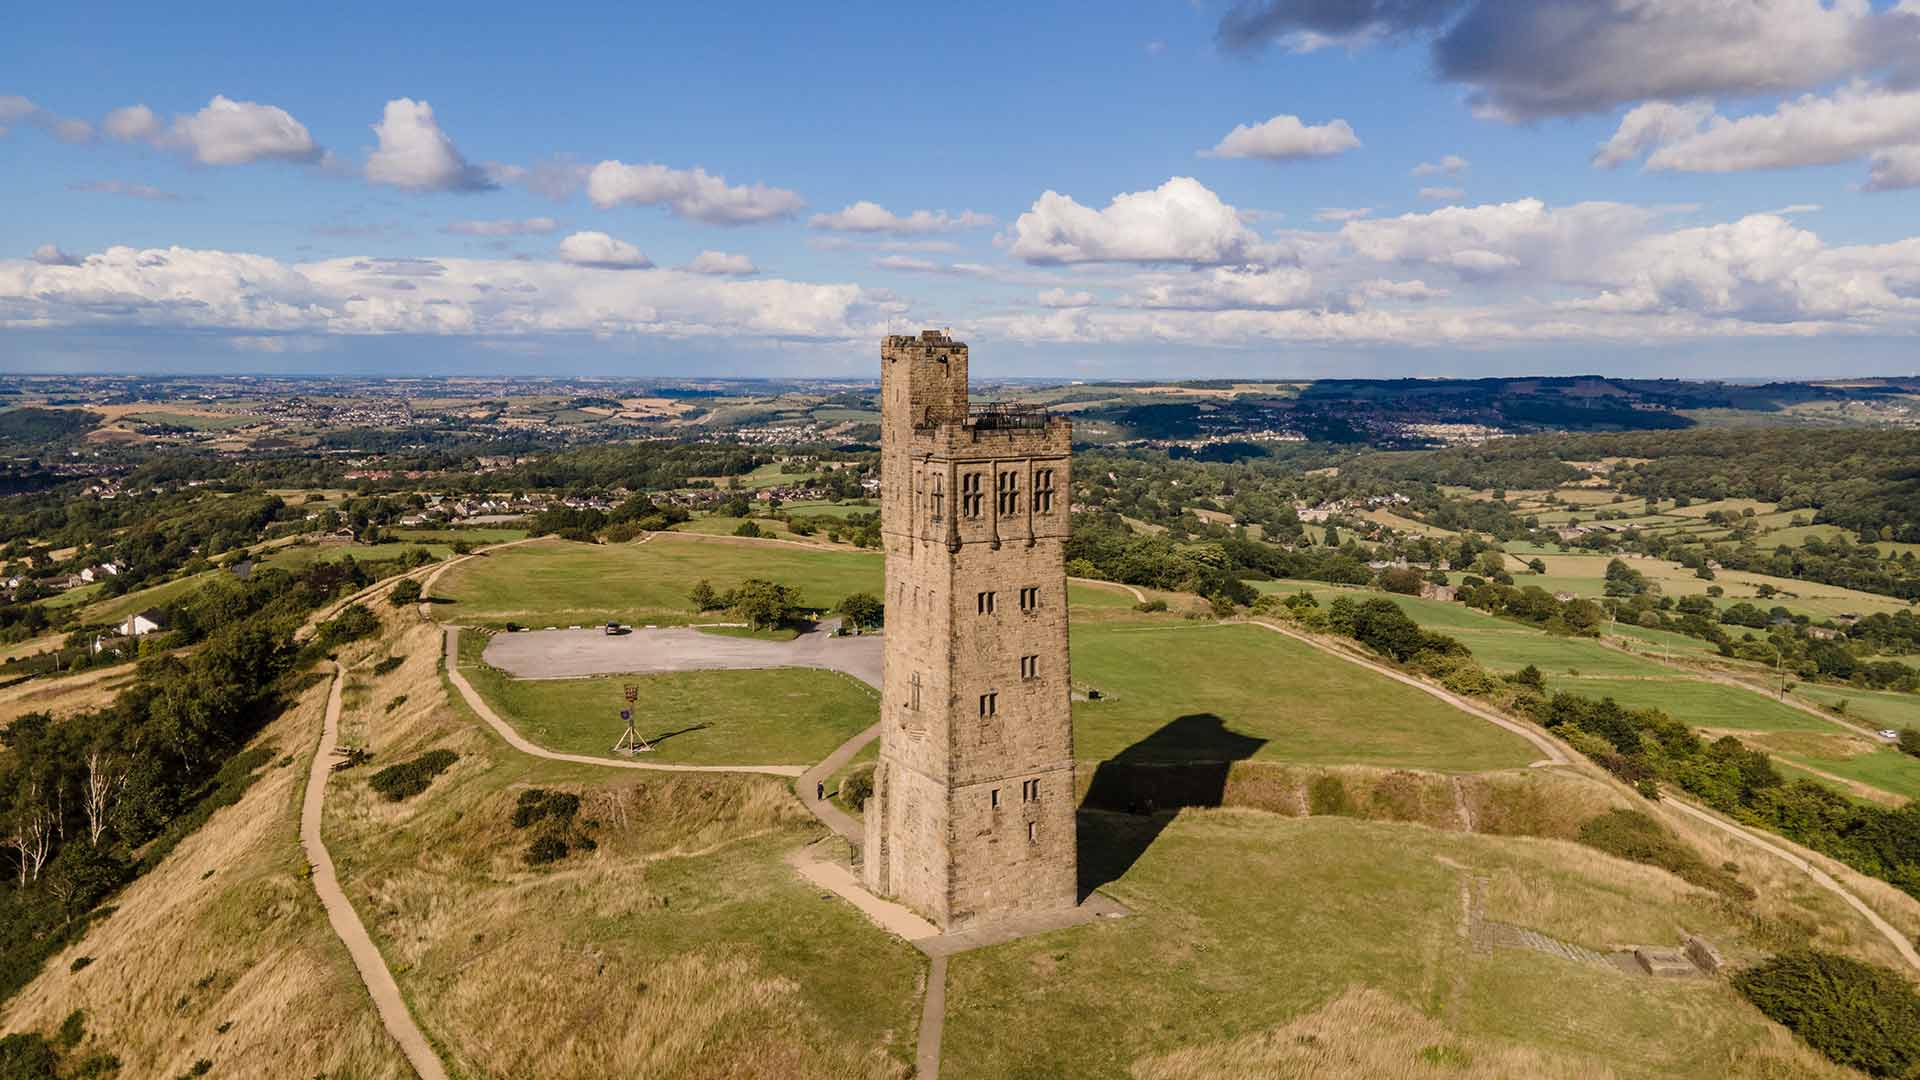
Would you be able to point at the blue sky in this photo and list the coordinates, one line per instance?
(1277, 187)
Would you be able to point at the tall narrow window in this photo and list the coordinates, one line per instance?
(972, 498)
(939, 497)
(1043, 491)
(985, 602)
(1009, 494)
(989, 704)
(1033, 832)
(1030, 667)
(994, 798)
(1029, 791)
(913, 700)
(1029, 598)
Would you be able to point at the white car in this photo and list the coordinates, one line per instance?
(1889, 733)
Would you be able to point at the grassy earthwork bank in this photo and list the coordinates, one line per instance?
(1270, 946)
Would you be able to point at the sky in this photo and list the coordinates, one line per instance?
(1153, 189)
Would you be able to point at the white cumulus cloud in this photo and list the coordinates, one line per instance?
(253, 295)
(416, 155)
(533, 226)
(871, 217)
(1181, 221)
(1450, 165)
(1062, 298)
(51, 255)
(689, 193)
(597, 249)
(722, 263)
(1895, 169)
(229, 132)
(1286, 138)
(131, 123)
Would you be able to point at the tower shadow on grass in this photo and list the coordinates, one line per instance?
(1136, 793)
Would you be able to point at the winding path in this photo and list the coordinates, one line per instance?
(519, 742)
(345, 921)
(1740, 832)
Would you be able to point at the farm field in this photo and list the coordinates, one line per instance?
(116, 608)
(1379, 967)
(1585, 575)
(1699, 703)
(1222, 681)
(827, 509)
(1872, 708)
(298, 556)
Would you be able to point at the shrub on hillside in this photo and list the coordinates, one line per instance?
(410, 778)
(1630, 834)
(539, 804)
(350, 625)
(554, 812)
(1858, 1015)
(389, 664)
(1149, 606)
(857, 788)
(405, 591)
(1328, 795)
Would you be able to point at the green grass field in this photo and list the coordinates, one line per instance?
(1699, 703)
(1306, 706)
(1888, 770)
(297, 556)
(559, 583)
(780, 716)
(1873, 708)
(556, 583)
(816, 509)
(1244, 922)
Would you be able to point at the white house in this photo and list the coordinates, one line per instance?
(144, 622)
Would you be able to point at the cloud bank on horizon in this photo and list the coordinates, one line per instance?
(1614, 180)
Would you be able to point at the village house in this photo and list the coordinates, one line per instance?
(141, 623)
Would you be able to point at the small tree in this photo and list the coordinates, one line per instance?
(862, 609)
(703, 596)
(1910, 741)
(406, 591)
(764, 604)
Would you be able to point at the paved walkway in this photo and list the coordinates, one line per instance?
(519, 742)
(345, 921)
(571, 654)
(830, 815)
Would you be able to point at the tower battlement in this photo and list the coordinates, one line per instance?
(972, 816)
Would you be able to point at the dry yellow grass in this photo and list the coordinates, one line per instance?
(230, 908)
(65, 695)
(1364, 1033)
(681, 946)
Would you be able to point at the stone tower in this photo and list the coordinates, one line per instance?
(972, 813)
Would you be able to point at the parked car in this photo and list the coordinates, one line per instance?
(613, 629)
(1889, 733)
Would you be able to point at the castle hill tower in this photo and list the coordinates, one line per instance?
(972, 813)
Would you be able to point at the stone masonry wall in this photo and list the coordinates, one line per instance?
(972, 817)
